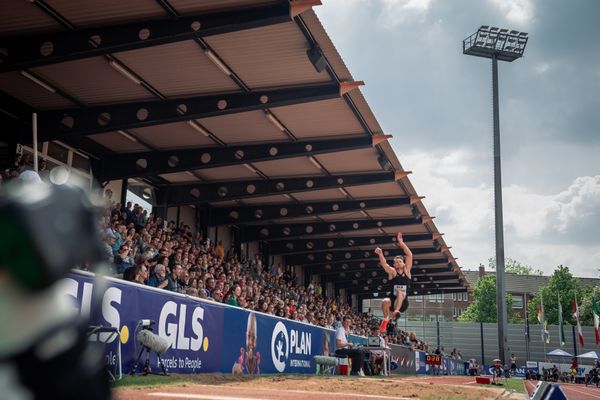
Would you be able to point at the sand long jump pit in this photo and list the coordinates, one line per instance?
(295, 387)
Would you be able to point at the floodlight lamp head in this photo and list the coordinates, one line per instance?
(415, 212)
(316, 57)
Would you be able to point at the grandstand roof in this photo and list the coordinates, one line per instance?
(241, 107)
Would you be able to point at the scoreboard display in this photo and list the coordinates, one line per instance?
(433, 359)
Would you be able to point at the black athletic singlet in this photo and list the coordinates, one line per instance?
(400, 282)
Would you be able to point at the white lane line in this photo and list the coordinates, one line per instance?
(586, 393)
(370, 396)
(200, 396)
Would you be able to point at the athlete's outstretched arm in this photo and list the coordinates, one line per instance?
(407, 253)
(390, 271)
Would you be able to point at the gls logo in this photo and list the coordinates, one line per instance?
(279, 346)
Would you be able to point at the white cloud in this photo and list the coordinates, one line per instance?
(576, 206)
(541, 68)
(397, 12)
(542, 230)
(516, 11)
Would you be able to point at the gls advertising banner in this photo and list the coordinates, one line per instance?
(191, 328)
(202, 336)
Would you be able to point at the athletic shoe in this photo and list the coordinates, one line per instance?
(383, 326)
(361, 373)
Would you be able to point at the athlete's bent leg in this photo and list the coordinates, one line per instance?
(398, 303)
(385, 308)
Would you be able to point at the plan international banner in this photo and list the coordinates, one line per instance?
(203, 336)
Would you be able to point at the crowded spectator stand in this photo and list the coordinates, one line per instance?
(254, 156)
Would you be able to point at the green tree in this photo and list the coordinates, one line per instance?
(561, 284)
(484, 308)
(585, 304)
(515, 267)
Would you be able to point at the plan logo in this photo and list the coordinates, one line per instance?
(279, 346)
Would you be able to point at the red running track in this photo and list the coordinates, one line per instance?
(573, 391)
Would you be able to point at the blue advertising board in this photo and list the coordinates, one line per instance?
(519, 372)
(260, 343)
(203, 336)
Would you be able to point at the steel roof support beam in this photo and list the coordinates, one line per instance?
(50, 48)
(60, 124)
(350, 255)
(246, 214)
(424, 266)
(272, 232)
(161, 162)
(415, 288)
(283, 247)
(377, 280)
(379, 272)
(207, 192)
(423, 292)
(375, 283)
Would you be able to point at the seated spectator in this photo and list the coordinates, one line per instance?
(159, 277)
(123, 259)
(173, 279)
(129, 274)
(272, 290)
(343, 347)
(377, 356)
(234, 295)
(141, 274)
(109, 242)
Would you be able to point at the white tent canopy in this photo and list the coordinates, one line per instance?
(590, 354)
(559, 353)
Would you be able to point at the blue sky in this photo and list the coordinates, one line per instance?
(437, 104)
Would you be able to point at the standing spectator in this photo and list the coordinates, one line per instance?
(318, 289)
(219, 250)
(128, 212)
(513, 363)
(231, 254)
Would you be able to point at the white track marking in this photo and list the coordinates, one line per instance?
(586, 393)
(222, 397)
(200, 396)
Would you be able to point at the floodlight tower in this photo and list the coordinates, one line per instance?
(497, 44)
